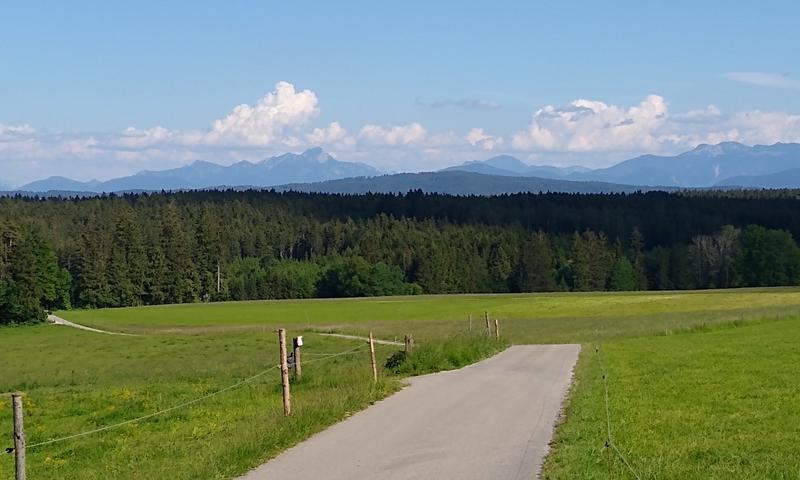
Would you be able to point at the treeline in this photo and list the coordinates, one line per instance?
(207, 246)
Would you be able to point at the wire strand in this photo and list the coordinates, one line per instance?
(181, 405)
(609, 437)
(347, 352)
(154, 414)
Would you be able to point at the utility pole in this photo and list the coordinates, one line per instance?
(219, 278)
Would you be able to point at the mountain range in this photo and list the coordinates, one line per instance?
(725, 165)
(313, 165)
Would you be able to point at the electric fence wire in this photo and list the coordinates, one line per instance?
(179, 406)
(609, 438)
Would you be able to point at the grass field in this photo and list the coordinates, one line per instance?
(534, 318)
(719, 404)
(701, 384)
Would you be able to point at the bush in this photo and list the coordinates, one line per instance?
(456, 352)
(355, 277)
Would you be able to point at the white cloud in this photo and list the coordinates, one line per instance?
(588, 125)
(265, 122)
(410, 134)
(7, 130)
(478, 138)
(322, 136)
(588, 132)
(763, 79)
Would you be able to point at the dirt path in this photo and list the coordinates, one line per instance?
(490, 420)
(60, 321)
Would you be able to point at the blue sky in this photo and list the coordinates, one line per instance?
(403, 86)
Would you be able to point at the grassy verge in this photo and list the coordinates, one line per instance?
(77, 381)
(721, 403)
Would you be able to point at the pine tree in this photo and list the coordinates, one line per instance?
(181, 277)
(536, 272)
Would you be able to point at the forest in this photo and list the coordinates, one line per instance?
(156, 248)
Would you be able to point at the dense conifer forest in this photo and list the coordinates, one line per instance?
(142, 249)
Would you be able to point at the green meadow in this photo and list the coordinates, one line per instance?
(700, 384)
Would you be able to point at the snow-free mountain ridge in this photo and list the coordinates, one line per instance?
(724, 165)
(313, 165)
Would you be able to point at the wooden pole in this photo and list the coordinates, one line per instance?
(19, 437)
(488, 328)
(298, 369)
(409, 345)
(470, 323)
(287, 394)
(372, 356)
(219, 278)
(496, 329)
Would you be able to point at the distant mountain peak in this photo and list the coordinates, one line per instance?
(507, 162)
(719, 149)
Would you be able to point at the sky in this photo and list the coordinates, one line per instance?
(105, 89)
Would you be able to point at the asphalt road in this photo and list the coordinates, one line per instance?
(490, 420)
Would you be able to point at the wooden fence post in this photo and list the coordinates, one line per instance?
(372, 356)
(470, 323)
(19, 437)
(496, 329)
(409, 345)
(488, 328)
(287, 394)
(297, 342)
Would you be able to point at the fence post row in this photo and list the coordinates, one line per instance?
(19, 437)
(287, 395)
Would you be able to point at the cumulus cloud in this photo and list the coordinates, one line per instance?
(332, 133)
(478, 138)
(586, 131)
(763, 79)
(266, 121)
(588, 125)
(399, 135)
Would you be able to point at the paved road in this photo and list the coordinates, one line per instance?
(67, 323)
(491, 420)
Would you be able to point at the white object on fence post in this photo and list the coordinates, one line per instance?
(297, 342)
